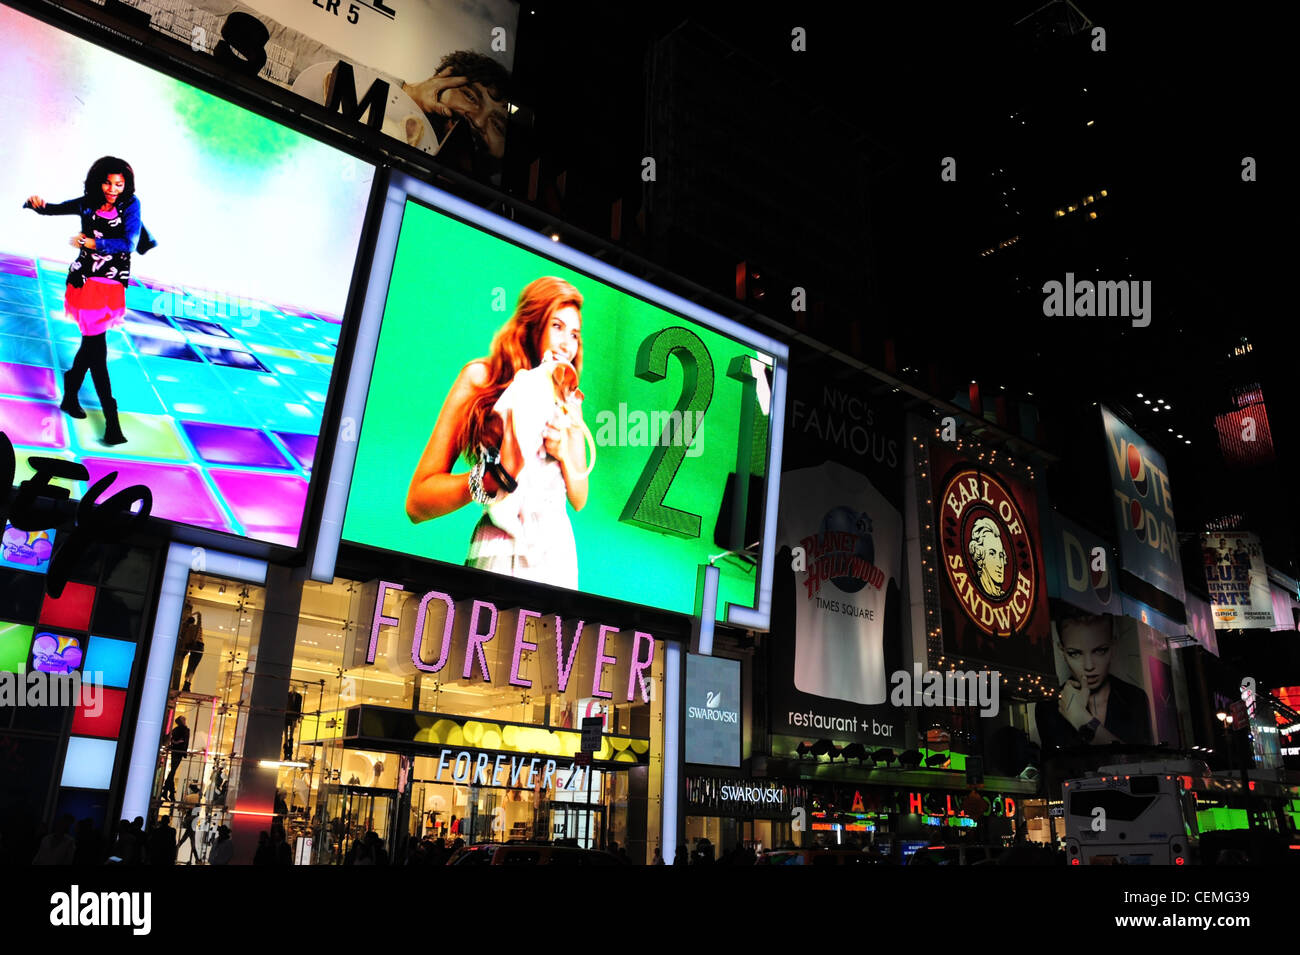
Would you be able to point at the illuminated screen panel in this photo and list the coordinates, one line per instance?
(219, 343)
(1245, 437)
(674, 410)
(88, 763)
(15, 647)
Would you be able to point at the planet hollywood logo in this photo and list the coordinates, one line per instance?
(842, 552)
(987, 553)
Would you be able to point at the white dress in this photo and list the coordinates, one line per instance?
(527, 533)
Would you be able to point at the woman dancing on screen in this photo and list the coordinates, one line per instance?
(516, 415)
(95, 297)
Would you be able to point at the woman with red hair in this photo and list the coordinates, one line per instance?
(516, 416)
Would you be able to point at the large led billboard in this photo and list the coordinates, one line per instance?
(632, 427)
(185, 296)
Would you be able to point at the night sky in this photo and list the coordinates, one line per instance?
(858, 125)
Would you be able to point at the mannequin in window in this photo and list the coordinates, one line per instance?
(190, 642)
(292, 714)
(217, 791)
(178, 744)
(188, 820)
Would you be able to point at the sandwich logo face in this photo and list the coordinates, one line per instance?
(987, 553)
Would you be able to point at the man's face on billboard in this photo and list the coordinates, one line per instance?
(485, 114)
(991, 557)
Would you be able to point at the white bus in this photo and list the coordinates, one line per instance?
(1132, 814)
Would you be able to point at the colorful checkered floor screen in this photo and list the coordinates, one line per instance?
(221, 404)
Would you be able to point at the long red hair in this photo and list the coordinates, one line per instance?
(516, 347)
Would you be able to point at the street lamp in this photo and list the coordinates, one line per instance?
(1225, 719)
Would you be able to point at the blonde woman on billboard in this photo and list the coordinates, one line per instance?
(516, 415)
(1094, 707)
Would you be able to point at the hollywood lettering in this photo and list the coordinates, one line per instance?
(471, 625)
(945, 804)
(834, 554)
(107, 521)
(987, 552)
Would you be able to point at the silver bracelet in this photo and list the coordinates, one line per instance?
(477, 492)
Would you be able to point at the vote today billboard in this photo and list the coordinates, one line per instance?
(1144, 510)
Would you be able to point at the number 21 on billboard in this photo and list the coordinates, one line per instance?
(645, 507)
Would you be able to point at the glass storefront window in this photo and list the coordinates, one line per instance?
(362, 740)
(414, 715)
(200, 757)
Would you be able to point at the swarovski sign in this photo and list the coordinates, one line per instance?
(712, 711)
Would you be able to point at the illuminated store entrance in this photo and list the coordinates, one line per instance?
(502, 813)
(353, 811)
(475, 796)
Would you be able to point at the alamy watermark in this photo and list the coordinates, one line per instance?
(640, 429)
(209, 304)
(76, 908)
(947, 688)
(53, 689)
(1088, 299)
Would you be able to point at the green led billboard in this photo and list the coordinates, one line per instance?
(670, 407)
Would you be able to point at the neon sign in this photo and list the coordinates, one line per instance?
(941, 804)
(470, 625)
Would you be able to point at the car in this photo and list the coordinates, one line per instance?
(956, 854)
(530, 853)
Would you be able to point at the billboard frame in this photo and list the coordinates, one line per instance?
(399, 188)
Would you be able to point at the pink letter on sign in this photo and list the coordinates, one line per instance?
(638, 664)
(601, 661)
(380, 619)
(563, 668)
(417, 645)
(474, 645)
(520, 646)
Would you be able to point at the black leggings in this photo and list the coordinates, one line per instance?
(92, 356)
